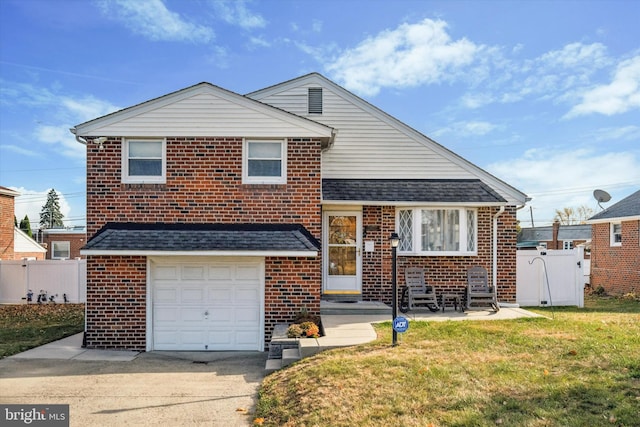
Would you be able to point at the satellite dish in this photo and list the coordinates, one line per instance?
(601, 196)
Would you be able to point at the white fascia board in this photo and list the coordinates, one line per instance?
(96, 126)
(200, 253)
(618, 219)
(401, 203)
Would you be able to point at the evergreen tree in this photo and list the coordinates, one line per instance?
(25, 225)
(50, 215)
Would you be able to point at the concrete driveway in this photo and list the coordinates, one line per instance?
(158, 388)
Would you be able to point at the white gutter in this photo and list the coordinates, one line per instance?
(495, 250)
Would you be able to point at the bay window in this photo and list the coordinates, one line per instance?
(441, 231)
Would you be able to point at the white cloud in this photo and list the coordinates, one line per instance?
(407, 56)
(465, 129)
(623, 133)
(557, 179)
(619, 96)
(30, 203)
(20, 150)
(152, 19)
(56, 114)
(235, 12)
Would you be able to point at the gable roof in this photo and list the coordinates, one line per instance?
(511, 194)
(22, 243)
(202, 239)
(8, 192)
(202, 110)
(410, 191)
(627, 209)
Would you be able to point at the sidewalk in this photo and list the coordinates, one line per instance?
(70, 348)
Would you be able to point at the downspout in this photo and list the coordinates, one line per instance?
(495, 250)
(79, 138)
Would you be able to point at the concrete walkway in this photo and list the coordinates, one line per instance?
(341, 330)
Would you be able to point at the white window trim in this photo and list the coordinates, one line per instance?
(567, 245)
(53, 246)
(141, 179)
(612, 240)
(246, 179)
(416, 224)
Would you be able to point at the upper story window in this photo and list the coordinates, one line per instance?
(315, 100)
(60, 250)
(144, 161)
(429, 231)
(616, 234)
(264, 162)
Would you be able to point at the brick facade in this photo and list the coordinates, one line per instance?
(7, 205)
(616, 268)
(76, 242)
(203, 185)
(445, 273)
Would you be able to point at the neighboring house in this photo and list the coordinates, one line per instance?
(555, 236)
(212, 216)
(63, 243)
(27, 248)
(7, 222)
(615, 247)
(14, 243)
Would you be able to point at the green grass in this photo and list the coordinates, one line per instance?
(26, 326)
(581, 368)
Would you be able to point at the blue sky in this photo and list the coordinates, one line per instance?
(544, 95)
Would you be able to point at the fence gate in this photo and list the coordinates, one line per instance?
(564, 270)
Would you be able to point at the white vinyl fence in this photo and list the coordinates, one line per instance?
(51, 277)
(550, 277)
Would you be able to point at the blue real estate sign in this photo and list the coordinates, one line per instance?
(400, 324)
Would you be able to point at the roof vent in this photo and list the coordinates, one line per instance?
(315, 100)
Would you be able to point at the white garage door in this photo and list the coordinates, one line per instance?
(208, 304)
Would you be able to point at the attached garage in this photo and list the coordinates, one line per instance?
(203, 284)
(204, 303)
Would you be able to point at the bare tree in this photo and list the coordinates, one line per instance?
(571, 216)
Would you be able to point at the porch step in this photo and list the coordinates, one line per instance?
(290, 355)
(272, 365)
(328, 308)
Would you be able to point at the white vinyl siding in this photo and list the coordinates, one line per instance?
(364, 143)
(207, 113)
(437, 231)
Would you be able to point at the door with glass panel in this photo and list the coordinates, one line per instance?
(342, 252)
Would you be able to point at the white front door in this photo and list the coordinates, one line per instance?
(342, 252)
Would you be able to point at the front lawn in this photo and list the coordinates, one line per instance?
(581, 368)
(26, 326)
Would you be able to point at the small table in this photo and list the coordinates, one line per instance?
(455, 298)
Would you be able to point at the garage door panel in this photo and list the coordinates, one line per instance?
(193, 272)
(165, 295)
(248, 272)
(220, 273)
(192, 295)
(207, 306)
(163, 272)
(167, 314)
(219, 296)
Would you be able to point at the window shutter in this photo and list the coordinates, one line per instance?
(315, 100)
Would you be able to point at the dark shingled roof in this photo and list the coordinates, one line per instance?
(202, 237)
(629, 206)
(410, 190)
